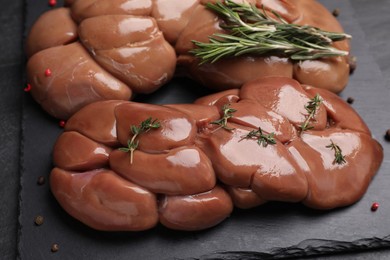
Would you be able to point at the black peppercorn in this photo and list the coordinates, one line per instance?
(336, 12)
(350, 100)
(352, 61)
(41, 180)
(387, 135)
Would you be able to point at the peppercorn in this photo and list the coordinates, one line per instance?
(38, 220)
(41, 180)
(387, 135)
(352, 61)
(47, 72)
(28, 88)
(62, 123)
(350, 100)
(374, 206)
(52, 3)
(336, 12)
(54, 247)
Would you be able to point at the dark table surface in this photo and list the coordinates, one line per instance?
(12, 63)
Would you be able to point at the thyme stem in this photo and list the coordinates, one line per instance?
(261, 138)
(144, 127)
(311, 108)
(227, 113)
(338, 155)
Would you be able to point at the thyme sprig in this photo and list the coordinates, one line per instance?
(144, 127)
(311, 108)
(252, 31)
(338, 153)
(227, 113)
(261, 138)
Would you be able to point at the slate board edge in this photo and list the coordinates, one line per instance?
(305, 249)
(22, 138)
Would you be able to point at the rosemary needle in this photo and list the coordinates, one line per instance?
(253, 31)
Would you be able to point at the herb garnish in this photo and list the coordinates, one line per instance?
(143, 127)
(338, 156)
(261, 138)
(311, 108)
(253, 31)
(227, 113)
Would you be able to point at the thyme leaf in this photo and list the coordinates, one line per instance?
(261, 138)
(338, 153)
(227, 113)
(311, 108)
(144, 127)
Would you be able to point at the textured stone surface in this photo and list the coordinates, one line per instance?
(372, 31)
(11, 91)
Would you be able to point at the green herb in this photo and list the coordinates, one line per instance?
(311, 108)
(144, 127)
(227, 113)
(253, 31)
(338, 155)
(261, 138)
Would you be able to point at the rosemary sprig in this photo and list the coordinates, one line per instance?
(227, 113)
(253, 31)
(261, 138)
(338, 155)
(311, 108)
(143, 127)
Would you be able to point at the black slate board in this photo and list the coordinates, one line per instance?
(275, 230)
